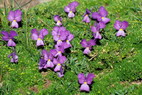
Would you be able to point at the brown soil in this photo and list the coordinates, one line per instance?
(28, 3)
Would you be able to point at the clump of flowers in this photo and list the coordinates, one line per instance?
(120, 27)
(87, 45)
(58, 20)
(85, 81)
(9, 37)
(71, 9)
(86, 16)
(14, 57)
(39, 36)
(14, 17)
(96, 29)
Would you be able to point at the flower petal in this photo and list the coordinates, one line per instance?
(89, 78)
(81, 78)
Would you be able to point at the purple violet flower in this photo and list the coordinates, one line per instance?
(86, 16)
(58, 20)
(41, 64)
(121, 27)
(85, 81)
(96, 29)
(9, 37)
(39, 36)
(60, 34)
(47, 56)
(71, 9)
(58, 51)
(101, 15)
(58, 62)
(87, 45)
(15, 17)
(14, 57)
(60, 73)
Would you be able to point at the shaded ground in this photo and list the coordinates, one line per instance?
(17, 3)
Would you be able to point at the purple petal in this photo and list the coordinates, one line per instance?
(85, 87)
(103, 12)
(74, 3)
(61, 73)
(11, 43)
(43, 32)
(57, 18)
(120, 33)
(101, 25)
(11, 15)
(53, 51)
(67, 9)
(86, 19)
(89, 78)
(34, 34)
(62, 59)
(14, 24)
(84, 43)
(18, 15)
(94, 29)
(71, 14)
(13, 34)
(39, 42)
(97, 35)
(81, 78)
(92, 42)
(95, 15)
(49, 64)
(117, 24)
(57, 68)
(105, 20)
(87, 51)
(58, 23)
(70, 37)
(124, 25)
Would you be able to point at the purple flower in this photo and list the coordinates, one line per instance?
(86, 16)
(14, 57)
(15, 17)
(101, 15)
(9, 37)
(39, 36)
(60, 34)
(48, 57)
(61, 73)
(71, 9)
(96, 29)
(58, 62)
(42, 64)
(87, 45)
(58, 51)
(58, 20)
(85, 81)
(121, 27)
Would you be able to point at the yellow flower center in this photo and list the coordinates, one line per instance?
(10, 39)
(67, 40)
(85, 82)
(87, 47)
(58, 21)
(59, 40)
(121, 29)
(59, 52)
(70, 11)
(49, 60)
(59, 64)
(103, 17)
(14, 20)
(38, 39)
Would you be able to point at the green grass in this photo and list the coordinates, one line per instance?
(116, 62)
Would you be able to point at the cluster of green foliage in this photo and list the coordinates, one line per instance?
(116, 62)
